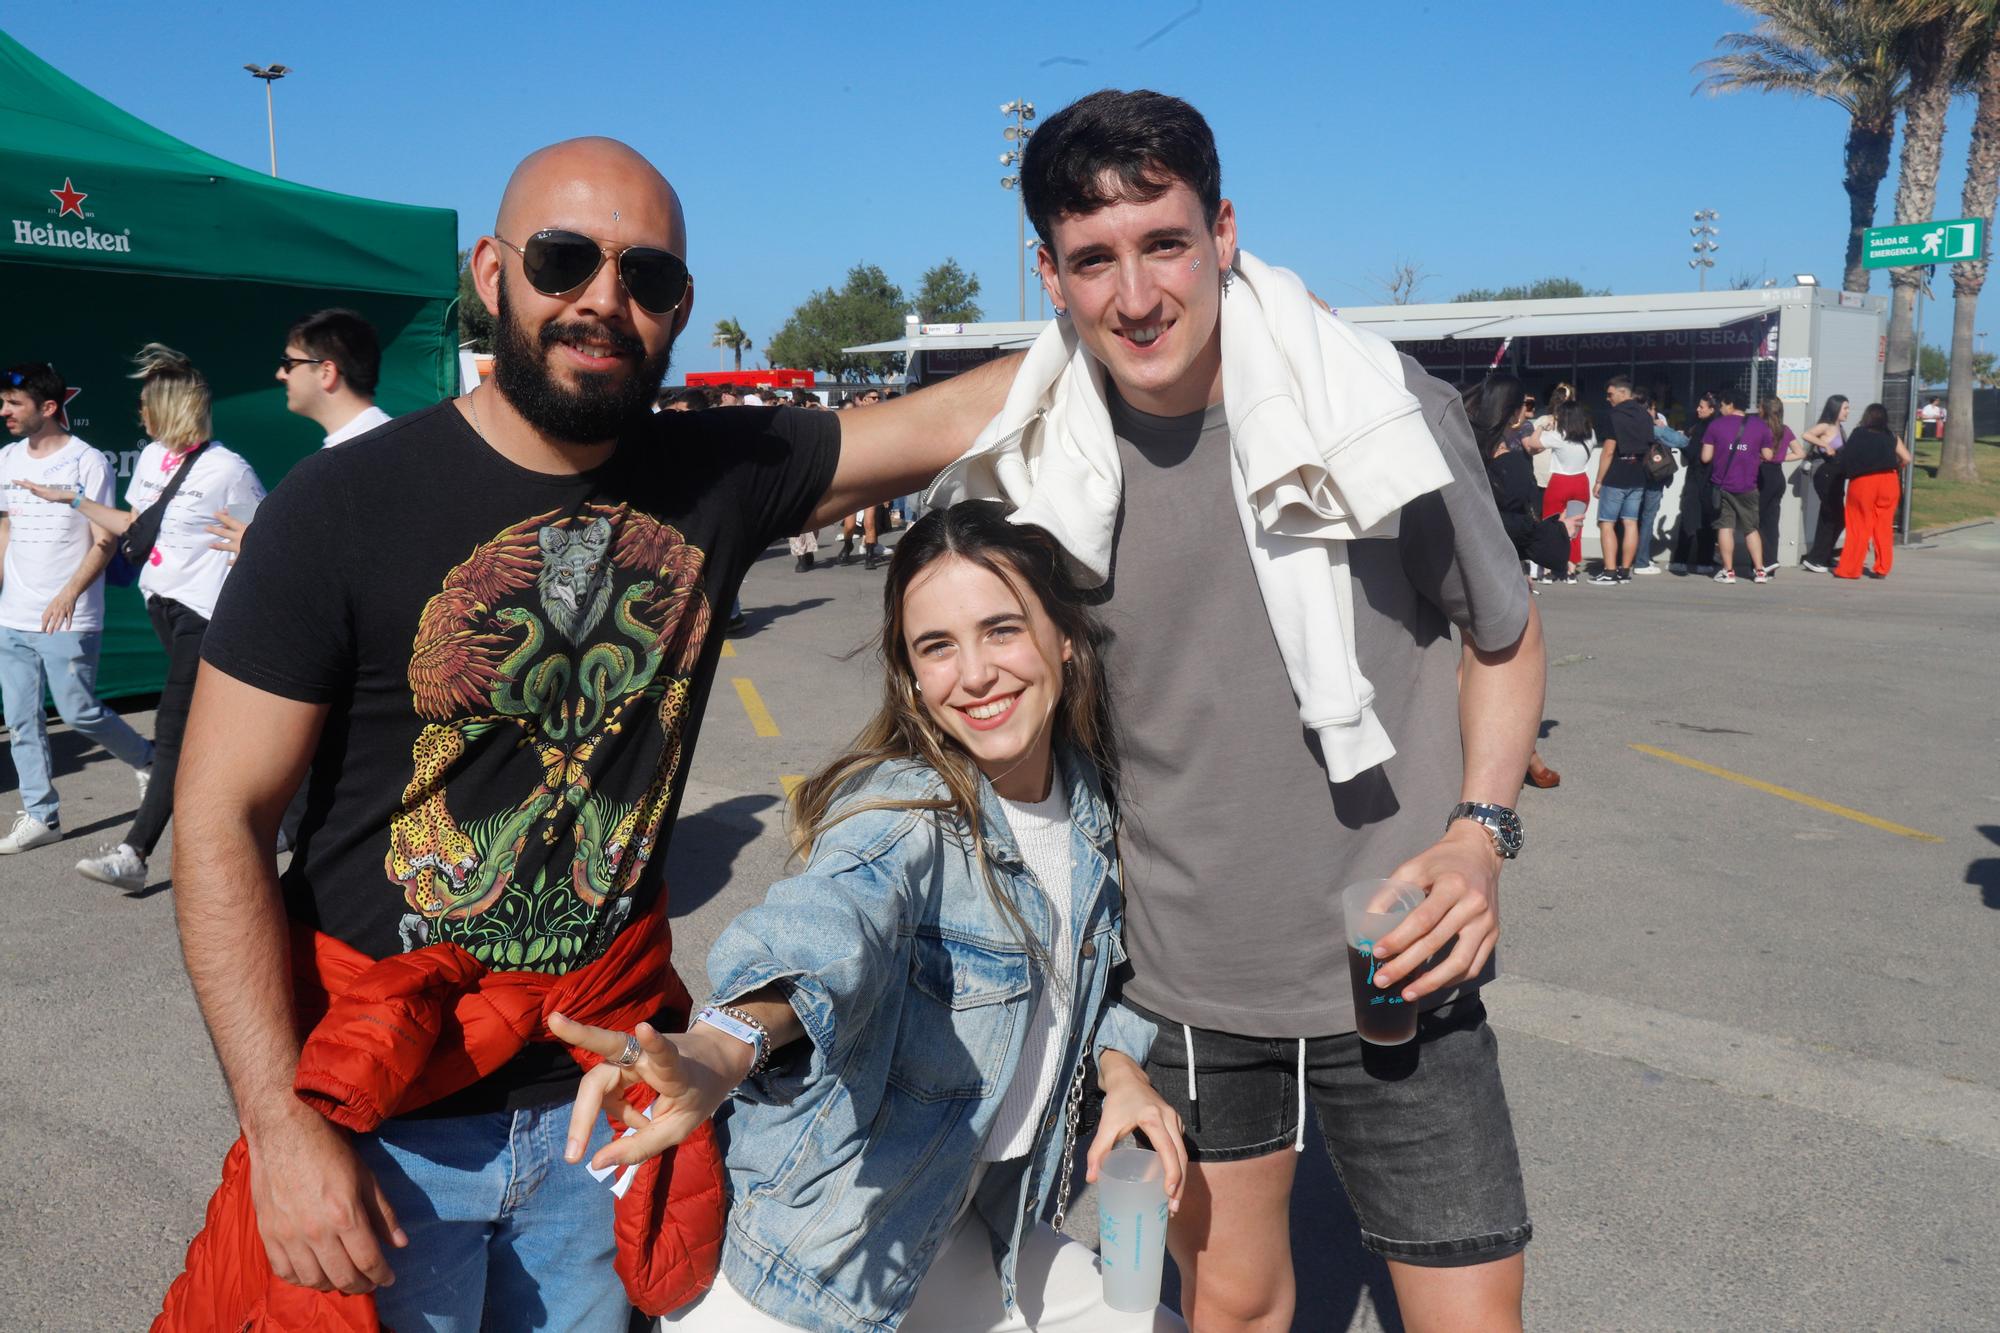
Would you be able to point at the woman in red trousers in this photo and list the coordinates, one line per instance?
(1873, 472)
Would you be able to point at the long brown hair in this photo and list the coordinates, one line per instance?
(1774, 417)
(903, 729)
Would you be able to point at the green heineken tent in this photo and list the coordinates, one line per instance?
(113, 235)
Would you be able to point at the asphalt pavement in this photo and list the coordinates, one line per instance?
(1746, 1014)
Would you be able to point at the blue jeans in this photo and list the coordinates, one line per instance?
(504, 1234)
(1649, 507)
(66, 662)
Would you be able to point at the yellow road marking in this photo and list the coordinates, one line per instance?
(753, 704)
(790, 782)
(1772, 789)
(728, 648)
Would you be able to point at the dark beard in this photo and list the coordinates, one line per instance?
(601, 407)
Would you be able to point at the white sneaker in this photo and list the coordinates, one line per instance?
(1645, 569)
(28, 833)
(144, 777)
(121, 867)
(1814, 566)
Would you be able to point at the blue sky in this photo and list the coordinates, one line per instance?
(1489, 143)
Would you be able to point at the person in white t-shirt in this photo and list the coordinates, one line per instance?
(51, 597)
(182, 575)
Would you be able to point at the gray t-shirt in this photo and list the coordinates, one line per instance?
(1235, 844)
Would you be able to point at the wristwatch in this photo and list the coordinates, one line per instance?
(1500, 823)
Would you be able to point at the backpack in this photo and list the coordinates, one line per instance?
(1660, 463)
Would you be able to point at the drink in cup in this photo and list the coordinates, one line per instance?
(1132, 1228)
(1373, 909)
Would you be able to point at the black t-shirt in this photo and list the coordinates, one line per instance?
(1868, 452)
(516, 665)
(1632, 426)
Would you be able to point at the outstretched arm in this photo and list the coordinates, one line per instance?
(894, 448)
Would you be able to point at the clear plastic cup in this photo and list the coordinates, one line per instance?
(1373, 908)
(1132, 1228)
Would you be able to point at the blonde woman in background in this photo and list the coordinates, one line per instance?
(182, 574)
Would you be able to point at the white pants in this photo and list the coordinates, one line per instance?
(1058, 1291)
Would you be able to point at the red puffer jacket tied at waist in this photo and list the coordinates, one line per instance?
(391, 1036)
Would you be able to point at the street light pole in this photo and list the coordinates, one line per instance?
(1704, 232)
(270, 74)
(1022, 111)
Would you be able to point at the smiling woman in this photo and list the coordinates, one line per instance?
(912, 1018)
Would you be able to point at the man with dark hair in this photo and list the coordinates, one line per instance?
(330, 368)
(1621, 480)
(52, 563)
(1735, 446)
(1292, 722)
(489, 628)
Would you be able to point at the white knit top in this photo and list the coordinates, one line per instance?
(1042, 831)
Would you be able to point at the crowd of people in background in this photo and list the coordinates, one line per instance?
(1546, 466)
(175, 537)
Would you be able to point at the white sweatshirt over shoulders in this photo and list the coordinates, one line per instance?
(1326, 446)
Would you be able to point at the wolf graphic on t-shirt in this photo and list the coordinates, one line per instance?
(553, 671)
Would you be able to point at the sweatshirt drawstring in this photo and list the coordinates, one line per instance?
(1187, 1041)
(1299, 1145)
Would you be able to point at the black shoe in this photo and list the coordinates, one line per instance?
(874, 557)
(803, 563)
(735, 624)
(846, 550)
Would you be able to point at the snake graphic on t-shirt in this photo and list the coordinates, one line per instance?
(573, 636)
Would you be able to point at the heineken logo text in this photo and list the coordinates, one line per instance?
(71, 238)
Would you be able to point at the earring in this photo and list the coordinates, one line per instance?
(1061, 313)
(920, 686)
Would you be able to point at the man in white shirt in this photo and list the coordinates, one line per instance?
(51, 598)
(330, 368)
(331, 365)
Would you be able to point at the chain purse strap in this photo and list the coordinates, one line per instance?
(1072, 1120)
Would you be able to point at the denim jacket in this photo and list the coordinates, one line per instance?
(849, 1158)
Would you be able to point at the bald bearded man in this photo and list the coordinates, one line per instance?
(489, 628)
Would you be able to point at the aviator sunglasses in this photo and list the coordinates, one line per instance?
(558, 262)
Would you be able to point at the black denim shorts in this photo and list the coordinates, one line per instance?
(1419, 1134)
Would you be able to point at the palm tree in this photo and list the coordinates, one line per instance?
(729, 335)
(1982, 185)
(1842, 51)
(1935, 36)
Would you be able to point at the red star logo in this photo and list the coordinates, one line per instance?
(70, 198)
(63, 411)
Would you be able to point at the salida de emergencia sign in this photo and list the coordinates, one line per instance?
(1960, 240)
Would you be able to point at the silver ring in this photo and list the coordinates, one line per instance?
(630, 1055)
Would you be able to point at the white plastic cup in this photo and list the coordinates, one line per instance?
(1132, 1228)
(1373, 908)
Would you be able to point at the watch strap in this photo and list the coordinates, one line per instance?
(1502, 825)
